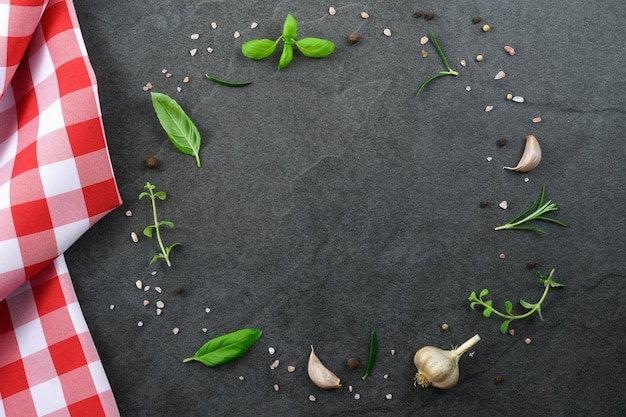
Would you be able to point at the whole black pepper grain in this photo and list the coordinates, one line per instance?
(430, 16)
(353, 38)
(484, 203)
(179, 290)
(419, 13)
(501, 142)
(531, 264)
(498, 379)
(476, 19)
(353, 363)
(152, 162)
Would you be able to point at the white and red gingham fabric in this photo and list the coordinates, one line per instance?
(56, 181)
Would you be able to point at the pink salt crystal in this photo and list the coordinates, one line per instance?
(509, 50)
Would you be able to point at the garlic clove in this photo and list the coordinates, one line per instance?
(531, 156)
(440, 368)
(320, 375)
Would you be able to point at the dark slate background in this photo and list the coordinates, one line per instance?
(332, 202)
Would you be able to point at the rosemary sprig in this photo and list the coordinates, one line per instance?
(508, 316)
(536, 211)
(440, 73)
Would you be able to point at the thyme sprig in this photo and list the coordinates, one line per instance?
(449, 71)
(536, 211)
(155, 228)
(508, 315)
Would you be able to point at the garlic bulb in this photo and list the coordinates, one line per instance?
(438, 367)
(320, 375)
(531, 157)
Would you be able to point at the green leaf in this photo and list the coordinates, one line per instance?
(160, 195)
(487, 312)
(290, 28)
(228, 83)
(372, 357)
(226, 348)
(504, 326)
(483, 293)
(149, 230)
(144, 194)
(258, 48)
(508, 306)
(473, 305)
(472, 296)
(286, 56)
(182, 132)
(526, 304)
(315, 47)
(166, 223)
(156, 258)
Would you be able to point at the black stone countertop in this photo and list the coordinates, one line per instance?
(332, 202)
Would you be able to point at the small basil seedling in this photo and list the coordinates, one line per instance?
(258, 49)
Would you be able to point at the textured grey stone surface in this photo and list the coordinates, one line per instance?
(331, 202)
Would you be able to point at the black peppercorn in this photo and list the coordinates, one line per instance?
(419, 13)
(484, 203)
(353, 38)
(353, 363)
(498, 379)
(430, 16)
(476, 19)
(531, 264)
(179, 290)
(501, 142)
(152, 162)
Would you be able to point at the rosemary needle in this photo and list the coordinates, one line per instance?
(228, 83)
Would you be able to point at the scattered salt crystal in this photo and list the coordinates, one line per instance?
(468, 88)
(291, 368)
(275, 364)
(386, 376)
(111, 307)
(424, 40)
(489, 159)
(241, 377)
(168, 75)
(276, 387)
(158, 311)
(509, 50)
(185, 80)
(271, 350)
(388, 396)
(527, 341)
(195, 36)
(526, 179)
(140, 323)
(204, 330)
(138, 284)
(387, 32)
(350, 388)
(502, 256)
(193, 52)
(393, 352)
(518, 99)
(357, 396)
(146, 87)
(463, 63)
(254, 25)
(332, 11)
(160, 304)
(365, 15)
(146, 288)
(134, 237)
(236, 34)
(179, 89)
(153, 273)
(175, 330)
(312, 397)
(209, 50)
(207, 310)
(129, 213)
(512, 332)
(488, 108)
(158, 289)
(471, 354)
(500, 75)
(213, 25)
(504, 205)
(537, 120)
(145, 302)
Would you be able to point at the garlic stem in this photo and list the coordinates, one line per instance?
(467, 345)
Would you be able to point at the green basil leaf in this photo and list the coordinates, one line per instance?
(226, 348)
(182, 132)
(315, 47)
(258, 48)
(290, 27)
(286, 56)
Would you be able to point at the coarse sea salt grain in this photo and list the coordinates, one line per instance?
(236, 34)
(271, 350)
(207, 310)
(160, 304)
(424, 40)
(128, 212)
(254, 25)
(468, 88)
(504, 205)
(488, 108)
(357, 396)
(158, 289)
(312, 397)
(500, 75)
(138, 284)
(204, 330)
(175, 330)
(332, 11)
(213, 25)
(158, 311)
(365, 15)
(111, 307)
(209, 50)
(489, 159)
(134, 237)
(140, 323)
(387, 32)
(518, 99)
(194, 36)
(388, 396)
(193, 52)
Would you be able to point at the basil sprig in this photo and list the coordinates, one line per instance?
(258, 49)
(182, 132)
(226, 348)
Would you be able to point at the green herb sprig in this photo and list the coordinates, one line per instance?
(226, 348)
(258, 49)
(508, 315)
(182, 132)
(449, 71)
(228, 83)
(372, 357)
(536, 211)
(155, 228)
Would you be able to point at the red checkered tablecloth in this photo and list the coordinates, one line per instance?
(56, 181)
